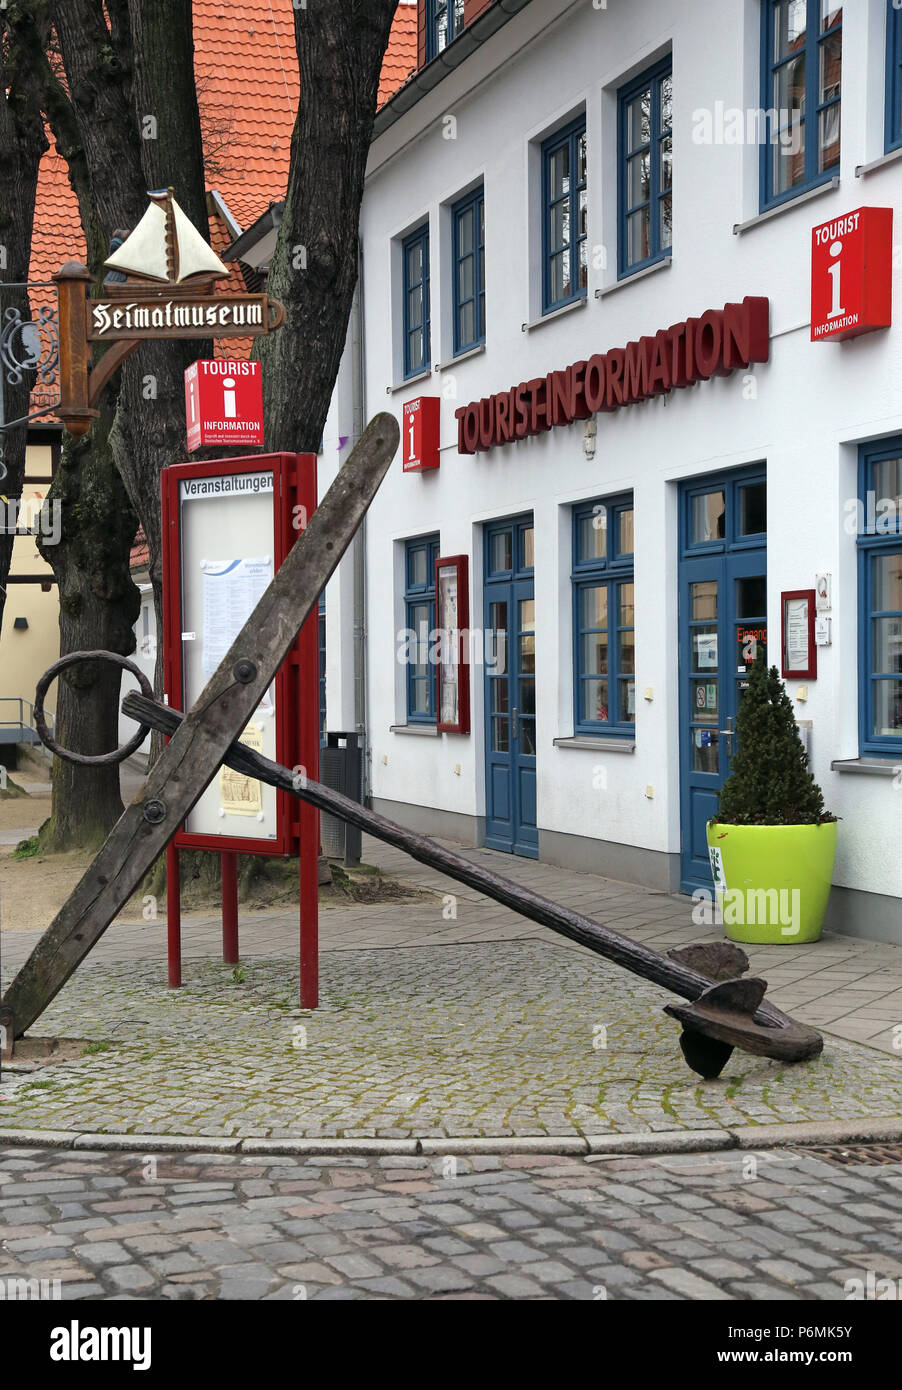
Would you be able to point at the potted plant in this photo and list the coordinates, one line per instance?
(771, 844)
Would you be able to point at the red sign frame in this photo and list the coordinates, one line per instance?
(297, 681)
(809, 673)
(852, 274)
(460, 563)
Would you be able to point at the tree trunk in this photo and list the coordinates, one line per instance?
(22, 143)
(340, 49)
(99, 605)
(130, 122)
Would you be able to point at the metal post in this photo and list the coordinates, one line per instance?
(230, 908)
(308, 818)
(173, 916)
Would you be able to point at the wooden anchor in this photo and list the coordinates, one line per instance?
(191, 760)
(725, 1010)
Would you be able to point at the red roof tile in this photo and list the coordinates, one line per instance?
(401, 54)
(247, 82)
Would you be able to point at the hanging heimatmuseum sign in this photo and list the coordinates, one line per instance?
(160, 285)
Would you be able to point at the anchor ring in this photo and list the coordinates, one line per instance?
(40, 723)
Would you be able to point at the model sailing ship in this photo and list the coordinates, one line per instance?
(165, 251)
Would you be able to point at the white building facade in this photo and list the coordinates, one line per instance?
(561, 180)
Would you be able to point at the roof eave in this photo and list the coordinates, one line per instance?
(428, 77)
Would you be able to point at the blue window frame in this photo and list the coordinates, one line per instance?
(444, 23)
(645, 169)
(419, 603)
(468, 254)
(604, 652)
(880, 597)
(893, 76)
(415, 253)
(801, 90)
(565, 217)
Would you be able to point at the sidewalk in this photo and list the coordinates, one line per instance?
(434, 1024)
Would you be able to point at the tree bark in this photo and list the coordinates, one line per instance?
(99, 605)
(129, 122)
(22, 143)
(340, 48)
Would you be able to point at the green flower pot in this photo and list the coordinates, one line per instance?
(772, 881)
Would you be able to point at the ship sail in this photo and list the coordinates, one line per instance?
(147, 252)
(195, 256)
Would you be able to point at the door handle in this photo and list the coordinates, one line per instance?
(514, 721)
(728, 735)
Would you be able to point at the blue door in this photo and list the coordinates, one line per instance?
(723, 623)
(510, 688)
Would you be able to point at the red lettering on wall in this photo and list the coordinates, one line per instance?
(521, 427)
(715, 344)
(614, 371)
(746, 332)
(595, 384)
(504, 425)
(559, 397)
(486, 422)
(709, 344)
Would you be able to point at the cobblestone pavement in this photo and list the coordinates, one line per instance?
(522, 1037)
(776, 1225)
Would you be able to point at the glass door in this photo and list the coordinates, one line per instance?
(510, 688)
(723, 624)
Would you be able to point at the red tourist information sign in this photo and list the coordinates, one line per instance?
(852, 274)
(223, 403)
(420, 435)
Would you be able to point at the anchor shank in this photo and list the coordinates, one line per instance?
(631, 955)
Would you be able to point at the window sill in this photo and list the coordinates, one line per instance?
(867, 766)
(408, 381)
(818, 192)
(554, 314)
(597, 743)
(663, 264)
(421, 730)
(460, 357)
(880, 163)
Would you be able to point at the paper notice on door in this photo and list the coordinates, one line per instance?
(239, 794)
(232, 590)
(706, 650)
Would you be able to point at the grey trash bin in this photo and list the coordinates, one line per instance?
(341, 769)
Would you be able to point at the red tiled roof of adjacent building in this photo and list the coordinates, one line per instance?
(247, 83)
(401, 54)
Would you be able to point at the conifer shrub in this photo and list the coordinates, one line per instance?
(770, 782)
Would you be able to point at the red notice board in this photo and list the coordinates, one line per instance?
(227, 526)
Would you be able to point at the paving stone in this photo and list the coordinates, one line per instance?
(687, 1284)
(103, 1253)
(354, 1266)
(129, 1279)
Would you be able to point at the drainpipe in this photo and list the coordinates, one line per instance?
(358, 550)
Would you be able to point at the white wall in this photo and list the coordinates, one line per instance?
(803, 412)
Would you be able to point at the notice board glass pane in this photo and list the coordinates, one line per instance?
(227, 560)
